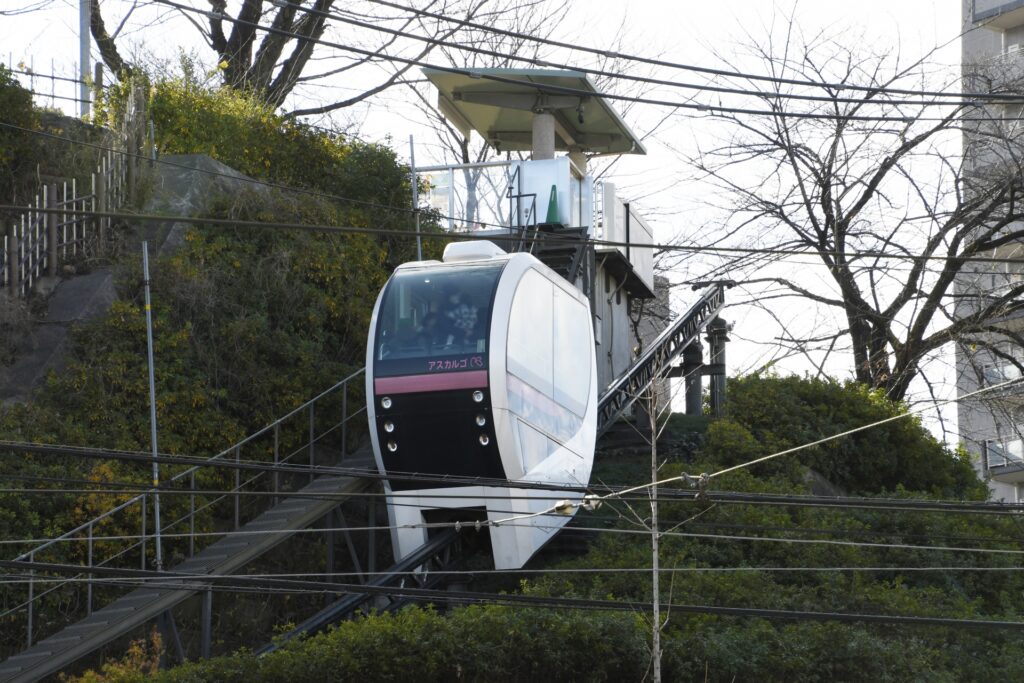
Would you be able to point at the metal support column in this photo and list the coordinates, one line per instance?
(693, 362)
(329, 539)
(718, 331)
(52, 219)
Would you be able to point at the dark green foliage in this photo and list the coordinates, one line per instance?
(834, 575)
(472, 643)
(18, 152)
(364, 181)
(770, 414)
(248, 324)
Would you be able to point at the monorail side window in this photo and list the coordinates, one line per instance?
(548, 358)
(435, 320)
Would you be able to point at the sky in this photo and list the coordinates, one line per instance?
(714, 34)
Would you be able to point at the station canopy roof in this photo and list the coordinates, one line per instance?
(500, 104)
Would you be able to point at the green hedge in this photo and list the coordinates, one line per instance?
(472, 643)
(770, 414)
(19, 152)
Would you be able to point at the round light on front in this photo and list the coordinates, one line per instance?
(478, 396)
(389, 427)
(392, 446)
(481, 420)
(385, 402)
(484, 439)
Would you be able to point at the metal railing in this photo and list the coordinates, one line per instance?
(468, 196)
(318, 430)
(57, 226)
(1004, 453)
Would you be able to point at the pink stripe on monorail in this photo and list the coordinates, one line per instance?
(441, 381)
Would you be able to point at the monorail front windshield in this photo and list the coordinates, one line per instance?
(435, 320)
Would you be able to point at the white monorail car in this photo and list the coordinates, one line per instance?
(481, 367)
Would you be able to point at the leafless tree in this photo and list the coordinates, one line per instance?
(871, 185)
(517, 19)
(271, 47)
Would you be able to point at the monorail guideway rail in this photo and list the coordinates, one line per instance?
(652, 365)
(657, 359)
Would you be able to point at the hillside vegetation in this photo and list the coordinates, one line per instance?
(823, 560)
(248, 322)
(251, 322)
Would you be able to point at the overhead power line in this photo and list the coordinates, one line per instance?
(202, 582)
(729, 73)
(562, 90)
(511, 237)
(617, 492)
(648, 80)
(660, 248)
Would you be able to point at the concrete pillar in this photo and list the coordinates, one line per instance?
(693, 366)
(543, 135)
(718, 331)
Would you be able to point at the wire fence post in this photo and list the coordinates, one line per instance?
(142, 502)
(655, 541)
(74, 220)
(277, 459)
(312, 452)
(13, 265)
(51, 231)
(88, 587)
(207, 626)
(101, 204)
(31, 596)
(238, 485)
(192, 515)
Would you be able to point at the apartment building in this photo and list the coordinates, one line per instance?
(992, 428)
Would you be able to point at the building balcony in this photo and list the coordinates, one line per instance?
(1004, 460)
(998, 14)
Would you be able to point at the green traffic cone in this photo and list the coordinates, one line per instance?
(552, 216)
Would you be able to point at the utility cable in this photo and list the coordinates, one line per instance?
(658, 247)
(702, 481)
(12, 579)
(555, 89)
(605, 491)
(648, 80)
(610, 54)
(201, 582)
(408, 233)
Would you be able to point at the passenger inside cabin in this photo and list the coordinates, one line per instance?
(428, 335)
(460, 321)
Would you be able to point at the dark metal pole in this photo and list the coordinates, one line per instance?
(718, 331)
(152, 409)
(693, 363)
(416, 199)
